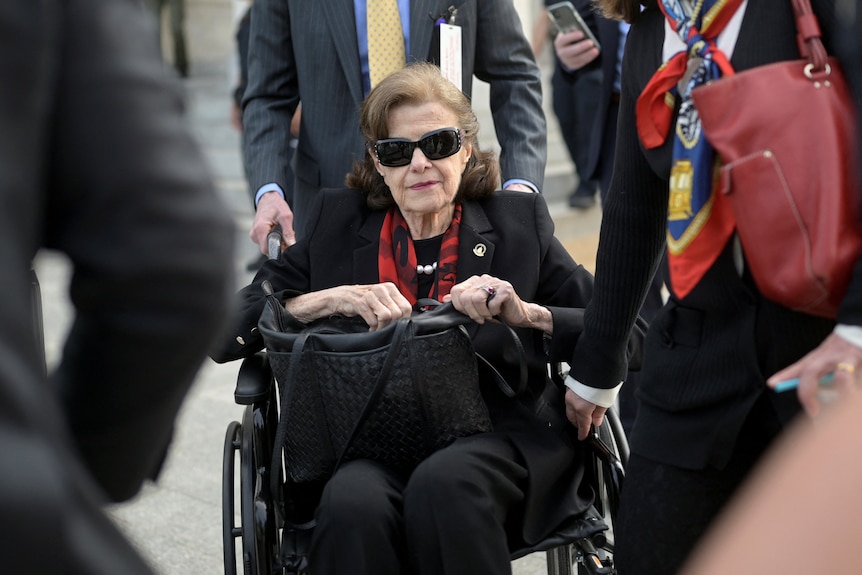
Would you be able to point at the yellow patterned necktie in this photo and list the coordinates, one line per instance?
(385, 39)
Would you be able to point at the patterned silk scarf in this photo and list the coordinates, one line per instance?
(699, 219)
(396, 259)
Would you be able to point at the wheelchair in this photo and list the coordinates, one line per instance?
(263, 536)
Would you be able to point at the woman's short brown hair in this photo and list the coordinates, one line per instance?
(417, 84)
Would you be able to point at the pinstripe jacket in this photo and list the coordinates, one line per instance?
(307, 50)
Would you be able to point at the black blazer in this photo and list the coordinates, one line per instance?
(510, 236)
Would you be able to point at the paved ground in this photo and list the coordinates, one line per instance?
(177, 523)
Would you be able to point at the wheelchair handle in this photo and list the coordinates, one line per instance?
(602, 449)
(273, 243)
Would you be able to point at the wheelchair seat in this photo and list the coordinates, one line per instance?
(272, 540)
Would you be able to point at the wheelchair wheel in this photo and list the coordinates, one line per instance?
(257, 531)
(561, 560)
(229, 529)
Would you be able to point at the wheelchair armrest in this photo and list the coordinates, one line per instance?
(254, 380)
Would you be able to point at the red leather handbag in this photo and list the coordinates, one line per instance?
(786, 135)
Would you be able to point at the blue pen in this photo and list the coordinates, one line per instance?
(793, 383)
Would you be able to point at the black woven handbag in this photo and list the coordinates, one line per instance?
(395, 395)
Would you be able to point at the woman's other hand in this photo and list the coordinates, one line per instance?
(486, 297)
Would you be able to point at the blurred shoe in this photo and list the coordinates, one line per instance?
(581, 201)
(255, 264)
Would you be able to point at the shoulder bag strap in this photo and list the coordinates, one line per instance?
(808, 34)
(281, 429)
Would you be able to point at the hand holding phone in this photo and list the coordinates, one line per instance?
(566, 18)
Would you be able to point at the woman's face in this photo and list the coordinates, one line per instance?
(423, 187)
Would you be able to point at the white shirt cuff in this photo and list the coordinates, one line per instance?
(852, 333)
(601, 397)
(266, 189)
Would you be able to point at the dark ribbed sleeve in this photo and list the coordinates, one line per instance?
(632, 234)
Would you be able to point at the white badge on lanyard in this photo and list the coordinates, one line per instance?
(450, 53)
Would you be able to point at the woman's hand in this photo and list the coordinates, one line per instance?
(835, 355)
(377, 304)
(485, 298)
(574, 50)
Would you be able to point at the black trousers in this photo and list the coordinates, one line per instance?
(449, 517)
(664, 510)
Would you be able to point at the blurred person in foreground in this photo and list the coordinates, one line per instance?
(799, 512)
(98, 163)
(421, 218)
(707, 411)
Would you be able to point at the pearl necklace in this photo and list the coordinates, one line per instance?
(427, 270)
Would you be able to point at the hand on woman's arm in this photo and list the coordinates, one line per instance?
(377, 304)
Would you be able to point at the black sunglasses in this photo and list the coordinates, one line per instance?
(436, 145)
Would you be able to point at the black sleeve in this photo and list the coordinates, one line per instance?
(631, 239)
(132, 204)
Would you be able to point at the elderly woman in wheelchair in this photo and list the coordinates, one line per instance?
(422, 218)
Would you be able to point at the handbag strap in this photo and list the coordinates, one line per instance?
(379, 384)
(281, 428)
(808, 35)
(293, 373)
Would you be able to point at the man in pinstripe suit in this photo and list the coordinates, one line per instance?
(316, 52)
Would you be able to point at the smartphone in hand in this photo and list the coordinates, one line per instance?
(566, 18)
